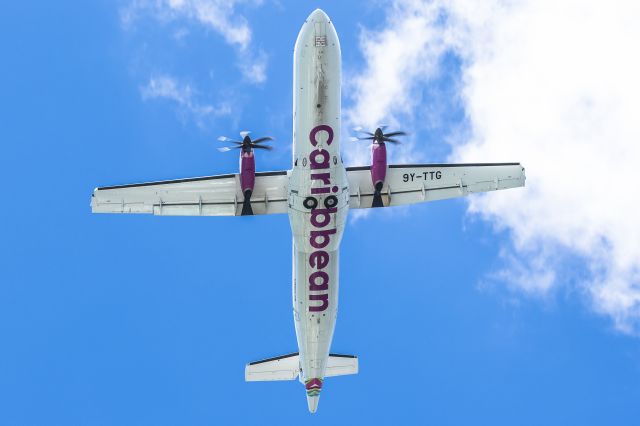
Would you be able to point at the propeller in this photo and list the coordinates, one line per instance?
(246, 144)
(378, 136)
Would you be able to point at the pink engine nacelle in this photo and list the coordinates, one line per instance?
(378, 172)
(247, 179)
(247, 171)
(378, 165)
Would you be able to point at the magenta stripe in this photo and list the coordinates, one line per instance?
(313, 384)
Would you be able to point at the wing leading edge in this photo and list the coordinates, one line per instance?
(415, 183)
(201, 196)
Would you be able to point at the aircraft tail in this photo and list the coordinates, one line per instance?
(287, 367)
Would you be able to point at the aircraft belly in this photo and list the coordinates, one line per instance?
(318, 193)
(315, 301)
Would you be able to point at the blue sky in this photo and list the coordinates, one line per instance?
(460, 313)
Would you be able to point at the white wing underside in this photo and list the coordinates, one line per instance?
(221, 195)
(416, 183)
(204, 196)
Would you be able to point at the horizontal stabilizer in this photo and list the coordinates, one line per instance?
(287, 367)
(341, 365)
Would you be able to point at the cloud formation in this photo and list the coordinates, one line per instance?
(219, 16)
(397, 59)
(552, 84)
(167, 87)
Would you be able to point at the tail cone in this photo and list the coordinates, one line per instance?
(313, 387)
(312, 402)
(246, 204)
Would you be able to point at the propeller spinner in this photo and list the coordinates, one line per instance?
(378, 136)
(246, 144)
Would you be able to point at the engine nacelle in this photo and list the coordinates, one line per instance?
(378, 171)
(247, 179)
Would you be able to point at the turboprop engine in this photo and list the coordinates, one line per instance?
(247, 164)
(378, 158)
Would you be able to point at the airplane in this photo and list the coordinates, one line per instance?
(316, 193)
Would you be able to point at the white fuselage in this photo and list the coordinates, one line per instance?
(319, 179)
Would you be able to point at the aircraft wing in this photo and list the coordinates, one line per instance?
(415, 183)
(202, 196)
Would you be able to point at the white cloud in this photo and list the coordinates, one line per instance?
(553, 84)
(167, 87)
(254, 66)
(397, 58)
(219, 16)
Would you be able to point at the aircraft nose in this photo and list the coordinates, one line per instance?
(318, 15)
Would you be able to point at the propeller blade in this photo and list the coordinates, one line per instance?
(263, 139)
(395, 134)
(227, 148)
(386, 139)
(244, 133)
(369, 138)
(226, 139)
(383, 126)
(268, 148)
(360, 130)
